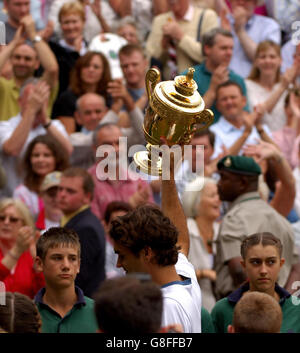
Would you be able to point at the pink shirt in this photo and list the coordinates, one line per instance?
(106, 191)
(259, 10)
(285, 139)
(295, 153)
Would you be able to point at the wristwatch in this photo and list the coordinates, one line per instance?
(37, 39)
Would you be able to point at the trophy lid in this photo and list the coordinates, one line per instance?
(181, 94)
(185, 84)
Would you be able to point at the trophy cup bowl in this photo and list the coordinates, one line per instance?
(175, 112)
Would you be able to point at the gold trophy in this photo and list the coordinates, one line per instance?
(175, 112)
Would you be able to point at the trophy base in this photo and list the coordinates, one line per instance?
(146, 165)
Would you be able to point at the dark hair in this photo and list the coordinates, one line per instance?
(206, 132)
(54, 237)
(257, 312)
(296, 91)
(227, 84)
(147, 226)
(209, 38)
(264, 238)
(87, 180)
(115, 206)
(126, 305)
(76, 84)
(31, 179)
(19, 314)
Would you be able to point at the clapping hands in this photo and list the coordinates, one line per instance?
(261, 151)
(26, 240)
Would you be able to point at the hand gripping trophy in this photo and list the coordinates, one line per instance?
(175, 112)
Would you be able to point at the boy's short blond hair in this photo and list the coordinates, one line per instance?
(257, 312)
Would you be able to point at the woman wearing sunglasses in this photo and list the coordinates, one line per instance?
(17, 249)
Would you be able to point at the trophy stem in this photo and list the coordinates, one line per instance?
(149, 162)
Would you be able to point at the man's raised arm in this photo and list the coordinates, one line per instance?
(7, 50)
(172, 208)
(44, 53)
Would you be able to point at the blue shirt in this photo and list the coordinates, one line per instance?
(258, 28)
(226, 134)
(203, 77)
(35, 11)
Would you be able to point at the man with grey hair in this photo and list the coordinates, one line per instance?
(126, 27)
(217, 47)
(90, 111)
(19, 131)
(113, 180)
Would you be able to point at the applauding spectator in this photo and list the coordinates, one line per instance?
(248, 30)
(265, 85)
(217, 47)
(235, 126)
(25, 59)
(175, 38)
(17, 249)
(19, 131)
(287, 138)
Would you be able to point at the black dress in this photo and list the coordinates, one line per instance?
(65, 105)
(66, 59)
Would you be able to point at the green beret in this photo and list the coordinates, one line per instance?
(239, 165)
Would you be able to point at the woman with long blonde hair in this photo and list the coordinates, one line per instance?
(17, 249)
(266, 87)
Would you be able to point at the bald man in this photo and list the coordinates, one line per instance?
(91, 111)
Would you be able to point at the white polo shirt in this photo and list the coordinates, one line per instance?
(182, 299)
